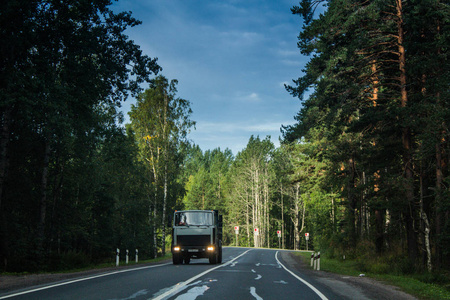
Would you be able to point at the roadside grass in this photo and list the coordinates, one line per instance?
(423, 286)
(121, 264)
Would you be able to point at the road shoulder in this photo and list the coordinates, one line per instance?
(349, 287)
(10, 283)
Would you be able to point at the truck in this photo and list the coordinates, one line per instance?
(196, 234)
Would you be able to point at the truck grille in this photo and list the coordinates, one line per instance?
(193, 240)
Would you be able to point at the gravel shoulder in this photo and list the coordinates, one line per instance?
(349, 287)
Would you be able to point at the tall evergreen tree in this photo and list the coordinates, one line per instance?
(369, 76)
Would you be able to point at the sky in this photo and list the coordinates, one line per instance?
(231, 59)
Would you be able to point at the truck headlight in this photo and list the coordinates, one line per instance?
(210, 248)
(176, 248)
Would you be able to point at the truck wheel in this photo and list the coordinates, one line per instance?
(177, 259)
(213, 259)
(220, 256)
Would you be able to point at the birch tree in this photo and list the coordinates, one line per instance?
(161, 123)
(252, 180)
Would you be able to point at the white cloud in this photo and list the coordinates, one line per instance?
(232, 59)
(253, 97)
(292, 62)
(235, 135)
(254, 126)
(283, 52)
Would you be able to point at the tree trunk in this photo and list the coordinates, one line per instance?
(164, 212)
(296, 219)
(4, 143)
(165, 143)
(379, 228)
(155, 214)
(352, 202)
(155, 232)
(426, 230)
(267, 211)
(248, 223)
(43, 200)
(282, 218)
(438, 199)
(440, 162)
(407, 143)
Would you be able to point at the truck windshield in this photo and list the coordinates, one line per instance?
(193, 218)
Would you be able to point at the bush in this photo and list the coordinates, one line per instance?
(380, 268)
(436, 278)
(68, 261)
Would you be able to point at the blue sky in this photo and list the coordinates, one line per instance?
(231, 58)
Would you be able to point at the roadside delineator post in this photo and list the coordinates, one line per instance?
(312, 258)
(315, 261)
(117, 256)
(318, 261)
(126, 257)
(137, 251)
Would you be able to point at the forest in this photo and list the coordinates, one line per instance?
(364, 170)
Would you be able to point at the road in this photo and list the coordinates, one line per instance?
(245, 273)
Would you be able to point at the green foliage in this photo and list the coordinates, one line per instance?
(377, 122)
(65, 67)
(74, 185)
(160, 123)
(422, 285)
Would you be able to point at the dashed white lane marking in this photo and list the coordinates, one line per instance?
(181, 285)
(193, 293)
(254, 294)
(322, 296)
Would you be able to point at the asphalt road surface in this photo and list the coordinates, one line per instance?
(245, 273)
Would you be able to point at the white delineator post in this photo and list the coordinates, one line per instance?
(312, 258)
(315, 261)
(126, 258)
(137, 251)
(318, 261)
(117, 257)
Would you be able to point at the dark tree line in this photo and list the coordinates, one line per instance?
(271, 189)
(379, 82)
(365, 170)
(65, 66)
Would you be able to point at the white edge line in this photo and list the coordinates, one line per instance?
(78, 280)
(322, 296)
(179, 286)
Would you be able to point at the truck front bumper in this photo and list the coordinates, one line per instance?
(196, 251)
